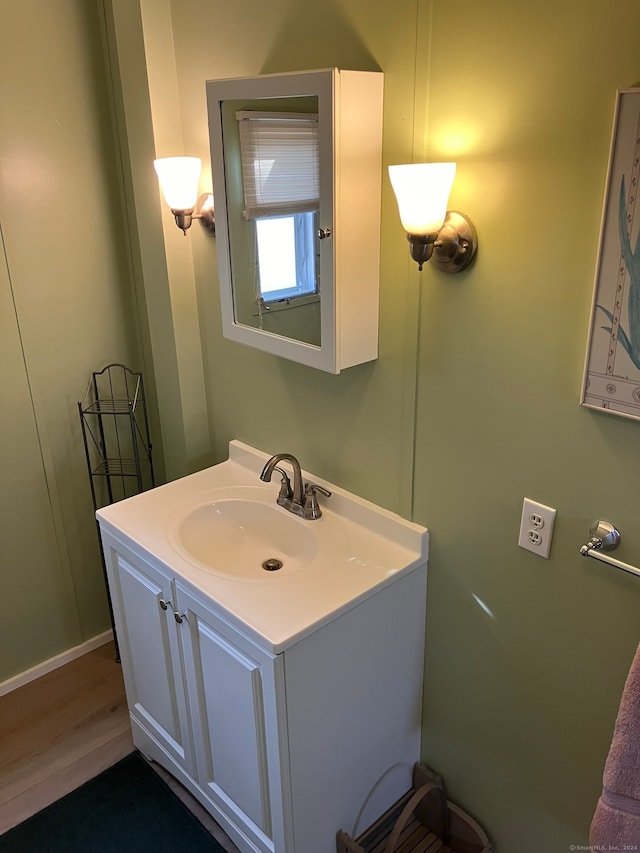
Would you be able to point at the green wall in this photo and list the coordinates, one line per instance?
(473, 402)
(526, 658)
(66, 309)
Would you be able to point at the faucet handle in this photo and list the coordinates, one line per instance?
(316, 488)
(311, 505)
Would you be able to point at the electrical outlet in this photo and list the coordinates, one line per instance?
(536, 527)
(537, 521)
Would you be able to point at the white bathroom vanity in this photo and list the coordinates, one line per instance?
(288, 702)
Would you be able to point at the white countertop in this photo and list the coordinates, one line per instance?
(364, 548)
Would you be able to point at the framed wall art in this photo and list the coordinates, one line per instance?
(612, 366)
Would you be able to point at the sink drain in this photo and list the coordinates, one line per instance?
(272, 564)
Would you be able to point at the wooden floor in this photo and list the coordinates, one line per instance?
(63, 729)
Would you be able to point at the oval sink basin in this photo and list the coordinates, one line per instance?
(246, 539)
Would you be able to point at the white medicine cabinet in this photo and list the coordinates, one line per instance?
(297, 162)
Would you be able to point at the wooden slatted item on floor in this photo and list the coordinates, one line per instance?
(422, 821)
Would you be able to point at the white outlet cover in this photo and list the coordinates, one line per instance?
(536, 527)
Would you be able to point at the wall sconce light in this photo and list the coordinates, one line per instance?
(446, 236)
(179, 178)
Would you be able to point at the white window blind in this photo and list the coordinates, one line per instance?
(280, 170)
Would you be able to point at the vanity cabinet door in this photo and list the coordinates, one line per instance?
(149, 648)
(233, 689)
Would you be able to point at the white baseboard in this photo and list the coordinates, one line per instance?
(53, 663)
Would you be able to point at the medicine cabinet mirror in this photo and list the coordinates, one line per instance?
(296, 164)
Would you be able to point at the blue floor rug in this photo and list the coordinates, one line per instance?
(126, 809)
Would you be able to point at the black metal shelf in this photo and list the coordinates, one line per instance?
(110, 407)
(117, 468)
(115, 430)
(117, 444)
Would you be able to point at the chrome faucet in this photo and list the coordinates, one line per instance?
(302, 499)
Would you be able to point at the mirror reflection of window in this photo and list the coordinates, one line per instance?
(286, 256)
(280, 176)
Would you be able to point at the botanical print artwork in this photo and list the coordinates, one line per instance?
(630, 341)
(612, 371)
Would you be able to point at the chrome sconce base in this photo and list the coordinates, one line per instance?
(203, 212)
(452, 249)
(421, 247)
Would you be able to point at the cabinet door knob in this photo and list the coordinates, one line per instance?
(177, 617)
(163, 604)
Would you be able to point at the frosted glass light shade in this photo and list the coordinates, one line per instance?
(422, 192)
(179, 177)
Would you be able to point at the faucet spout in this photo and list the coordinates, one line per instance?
(302, 499)
(267, 471)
